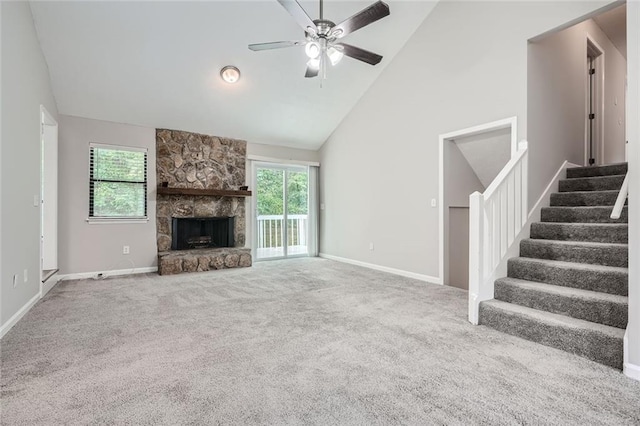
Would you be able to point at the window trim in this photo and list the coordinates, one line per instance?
(119, 219)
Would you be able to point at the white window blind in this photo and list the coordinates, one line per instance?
(118, 182)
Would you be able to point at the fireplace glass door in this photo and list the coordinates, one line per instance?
(282, 199)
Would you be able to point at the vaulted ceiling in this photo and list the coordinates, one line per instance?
(157, 64)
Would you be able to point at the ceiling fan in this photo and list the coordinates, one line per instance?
(322, 37)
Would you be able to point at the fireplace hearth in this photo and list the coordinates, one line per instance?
(202, 232)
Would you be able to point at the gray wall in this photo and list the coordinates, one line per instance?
(85, 247)
(460, 181)
(465, 65)
(25, 86)
(487, 153)
(458, 247)
(557, 98)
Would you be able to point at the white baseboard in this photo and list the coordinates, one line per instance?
(49, 284)
(114, 273)
(18, 315)
(421, 277)
(632, 371)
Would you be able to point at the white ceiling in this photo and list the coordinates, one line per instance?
(614, 25)
(157, 64)
(486, 153)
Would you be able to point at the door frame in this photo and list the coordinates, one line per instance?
(260, 162)
(591, 46)
(47, 121)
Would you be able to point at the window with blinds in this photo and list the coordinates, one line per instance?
(117, 182)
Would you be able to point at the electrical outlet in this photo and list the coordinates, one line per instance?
(370, 246)
(125, 249)
(25, 275)
(15, 280)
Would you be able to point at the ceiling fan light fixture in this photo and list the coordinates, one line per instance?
(230, 74)
(336, 33)
(321, 35)
(312, 49)
(335, 55)
(314, 63)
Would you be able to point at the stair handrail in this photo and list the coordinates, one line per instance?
(622, 197)
(496, 217)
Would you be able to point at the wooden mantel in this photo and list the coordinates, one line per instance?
(203, 192)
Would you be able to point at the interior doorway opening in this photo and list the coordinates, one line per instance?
(576, 91)
(470, 159)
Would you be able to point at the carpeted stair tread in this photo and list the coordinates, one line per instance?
(598, 342)
(605, 279)
(589, 171)
(593, 214)
(602, 308)
(584, 198)
(596, 232)
(597, 183)
(576, 251)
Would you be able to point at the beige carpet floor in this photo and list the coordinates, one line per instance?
(304, 341)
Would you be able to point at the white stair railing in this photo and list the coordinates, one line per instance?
(496, 217)
(622, 197)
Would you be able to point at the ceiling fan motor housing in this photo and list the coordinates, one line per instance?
(324, 28)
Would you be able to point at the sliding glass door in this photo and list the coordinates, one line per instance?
(282, 211)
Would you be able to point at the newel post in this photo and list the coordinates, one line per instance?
(476, 261)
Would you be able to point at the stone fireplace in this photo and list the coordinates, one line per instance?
(200, 177)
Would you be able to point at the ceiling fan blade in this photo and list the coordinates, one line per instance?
(361, 19)
(360, 54)
(275, 45)
(313, 68)
(311, 72)
(298, 13)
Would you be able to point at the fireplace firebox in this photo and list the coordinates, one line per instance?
(202, 232)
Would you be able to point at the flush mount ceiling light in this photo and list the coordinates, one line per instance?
(230, 74)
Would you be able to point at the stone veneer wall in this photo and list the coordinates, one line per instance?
(191, 160)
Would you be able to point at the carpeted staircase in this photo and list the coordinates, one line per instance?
(568, 289)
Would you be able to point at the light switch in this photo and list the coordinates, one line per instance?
(433, 202)
(36, 200)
